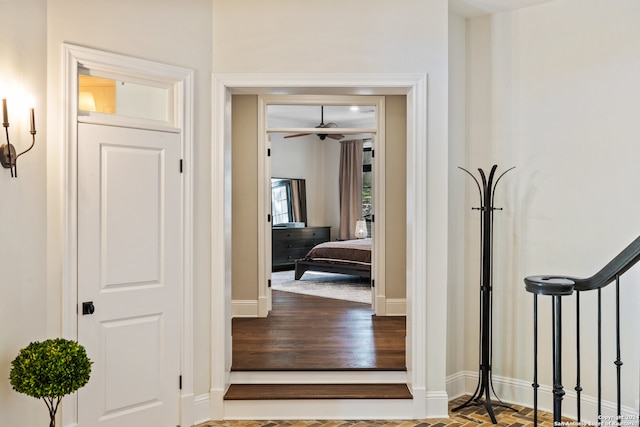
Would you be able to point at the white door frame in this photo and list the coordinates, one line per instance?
(180, 81)
(426, 225)
(378, 300)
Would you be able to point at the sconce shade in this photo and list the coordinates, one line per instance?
(361, 229)
(86, 101)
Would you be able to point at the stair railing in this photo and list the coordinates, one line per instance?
(558, 286)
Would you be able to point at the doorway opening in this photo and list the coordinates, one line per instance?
(425, 271)
(316, 161)
(320, 140)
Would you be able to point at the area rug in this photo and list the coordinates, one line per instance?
(326, 285)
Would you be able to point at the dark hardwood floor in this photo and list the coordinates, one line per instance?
(307, 333)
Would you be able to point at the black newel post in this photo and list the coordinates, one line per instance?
(485, 385)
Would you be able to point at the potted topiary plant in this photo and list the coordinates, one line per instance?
(50, 370)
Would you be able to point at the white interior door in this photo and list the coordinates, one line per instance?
(129, 268)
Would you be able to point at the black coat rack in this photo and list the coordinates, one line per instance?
(485, 384)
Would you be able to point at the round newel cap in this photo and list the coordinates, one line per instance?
(549, 285)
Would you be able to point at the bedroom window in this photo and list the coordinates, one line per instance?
(280, 203)
(288, 201)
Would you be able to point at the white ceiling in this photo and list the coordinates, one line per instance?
(308, 116)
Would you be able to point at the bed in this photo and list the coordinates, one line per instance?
(351, 257)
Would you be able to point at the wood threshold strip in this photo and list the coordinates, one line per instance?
(317, 391)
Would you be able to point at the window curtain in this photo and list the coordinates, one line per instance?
(350, 187)
(298, 201)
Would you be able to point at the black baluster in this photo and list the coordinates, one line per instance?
(599, 355)
(618, 362)
(535, 360)
(578, 388)
(558, 389)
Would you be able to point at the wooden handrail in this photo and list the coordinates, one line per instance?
(565, 285)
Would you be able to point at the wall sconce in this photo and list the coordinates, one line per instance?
(8, 156)
(361, 229)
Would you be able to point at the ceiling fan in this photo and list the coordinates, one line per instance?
(322, 125)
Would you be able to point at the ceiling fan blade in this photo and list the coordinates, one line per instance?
(296, 135)
(322, 125)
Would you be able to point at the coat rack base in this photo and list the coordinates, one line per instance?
(485, 388)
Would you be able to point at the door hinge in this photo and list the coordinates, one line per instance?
(268, 217)
(180, 165)
(373, 283)
(373, 153)
(180, 382)
(268, 152)
(373, 218)
(268, 283)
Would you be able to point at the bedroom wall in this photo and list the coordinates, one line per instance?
(317, 162)
(244, 197)
(396, 196)
(557, 88)
(24, 297)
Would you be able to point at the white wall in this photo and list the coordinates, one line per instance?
(169, 31)
(23, 215)
(457, 316)
(554, 90)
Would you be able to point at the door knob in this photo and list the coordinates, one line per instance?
(88, 308)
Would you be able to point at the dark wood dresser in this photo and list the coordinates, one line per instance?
(290, 244)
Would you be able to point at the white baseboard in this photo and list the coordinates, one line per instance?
(520, 392)
(456, 385)
(187, 405)
(396, 306)
(201, 409)
(263, 306)
(437, 404)
(244, 308)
